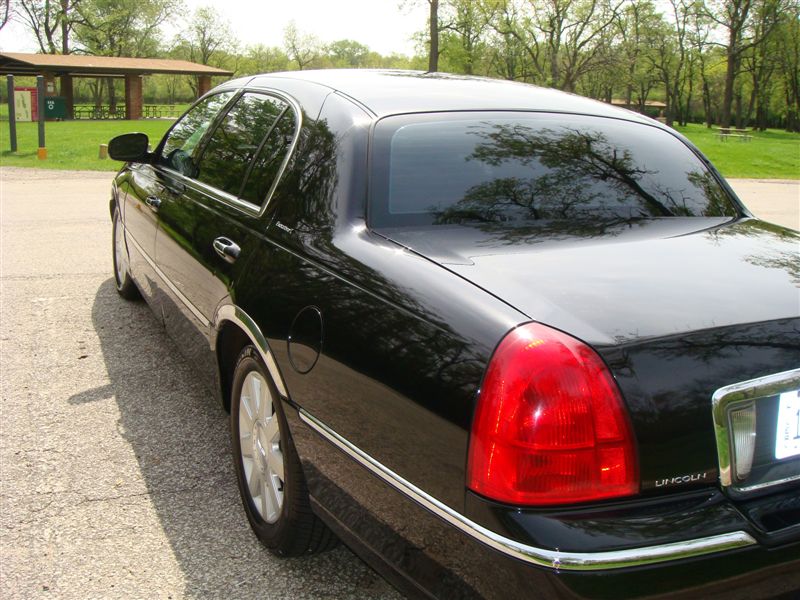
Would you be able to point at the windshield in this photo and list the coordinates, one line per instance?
(516, 169)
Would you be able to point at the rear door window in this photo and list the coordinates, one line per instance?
(514, 169)
(244, 152)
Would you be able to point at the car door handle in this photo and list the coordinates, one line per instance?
(227, 249)
(153, 202)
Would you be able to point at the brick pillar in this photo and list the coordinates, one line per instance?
(66, 91)
(203, 84)
(49, 84)
(133, 97)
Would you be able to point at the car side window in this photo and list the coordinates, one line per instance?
(242, 135)
(181, 144)
(270, 158)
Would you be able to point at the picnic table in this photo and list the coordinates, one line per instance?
(742, 134)
(149, 111)
(99, 113)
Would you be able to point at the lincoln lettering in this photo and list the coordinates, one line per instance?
(681, 479)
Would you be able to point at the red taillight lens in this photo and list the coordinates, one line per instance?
(550, 426)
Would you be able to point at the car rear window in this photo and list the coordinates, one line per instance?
(518, 168)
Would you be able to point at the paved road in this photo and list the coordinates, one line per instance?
(116, 477)
(115, 472)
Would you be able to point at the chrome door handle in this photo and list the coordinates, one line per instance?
(227, 249)
(153, 202)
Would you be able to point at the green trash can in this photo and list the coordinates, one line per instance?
(55, 107)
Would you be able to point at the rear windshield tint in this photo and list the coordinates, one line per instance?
(518, 168)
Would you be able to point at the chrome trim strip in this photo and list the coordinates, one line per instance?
(553, 559)
(236, 315)
(194, 310)
(725, 397)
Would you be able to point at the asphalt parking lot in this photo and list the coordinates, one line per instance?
(116, 477)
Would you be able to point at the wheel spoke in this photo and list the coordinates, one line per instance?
(266, 509)
(272, 498)
(255, 390)
(245, 443)
(248, 465)
(254, 483)
(249, 412)
(272, 431)
(275, 463)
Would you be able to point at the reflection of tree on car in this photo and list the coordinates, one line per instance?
(571, 173)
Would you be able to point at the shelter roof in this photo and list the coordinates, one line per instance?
(18, 63)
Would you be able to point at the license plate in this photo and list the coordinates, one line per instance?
(787, 438)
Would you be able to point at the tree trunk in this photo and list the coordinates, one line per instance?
(738, 104)
(112, 98)
(688, 110)
(433, 55)
(64, 27)
(727, 97)
(97, 92)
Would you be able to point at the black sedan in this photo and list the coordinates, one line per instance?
(503, 341)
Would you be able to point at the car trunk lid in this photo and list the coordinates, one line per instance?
(678, 308)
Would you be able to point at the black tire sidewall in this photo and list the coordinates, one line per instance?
(126, 288)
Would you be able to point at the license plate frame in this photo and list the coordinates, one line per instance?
(787, 436)
(763, 391)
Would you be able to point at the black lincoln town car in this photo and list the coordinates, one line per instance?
(502, 341)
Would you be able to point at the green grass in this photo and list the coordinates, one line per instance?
(74, 145)
(771, 154)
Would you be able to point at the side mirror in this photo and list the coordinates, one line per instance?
(129, 147)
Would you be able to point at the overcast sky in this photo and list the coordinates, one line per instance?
(380, 24)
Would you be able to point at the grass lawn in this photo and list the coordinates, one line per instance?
(72, 144)
(772, 154)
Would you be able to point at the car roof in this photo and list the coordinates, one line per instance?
(386, 92)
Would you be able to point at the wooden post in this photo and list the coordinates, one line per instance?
(12, 114)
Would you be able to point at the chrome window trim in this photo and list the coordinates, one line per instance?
(223, 197)
(543, 557)
(729, 395)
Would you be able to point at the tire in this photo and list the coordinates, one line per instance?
(268, 470)
(122, 276)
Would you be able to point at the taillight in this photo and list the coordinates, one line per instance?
(550, 426)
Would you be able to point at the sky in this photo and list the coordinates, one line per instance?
(383, 25)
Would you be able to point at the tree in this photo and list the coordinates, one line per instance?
(303, 49)
(433, 36)
(639, 27)
(348, 54)
(671, 58)
(264, 59)
(463, 29)
(121, 28)
(50, 21)
(207, 35)
(788, 55)
(5, 12)
(735, 18)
